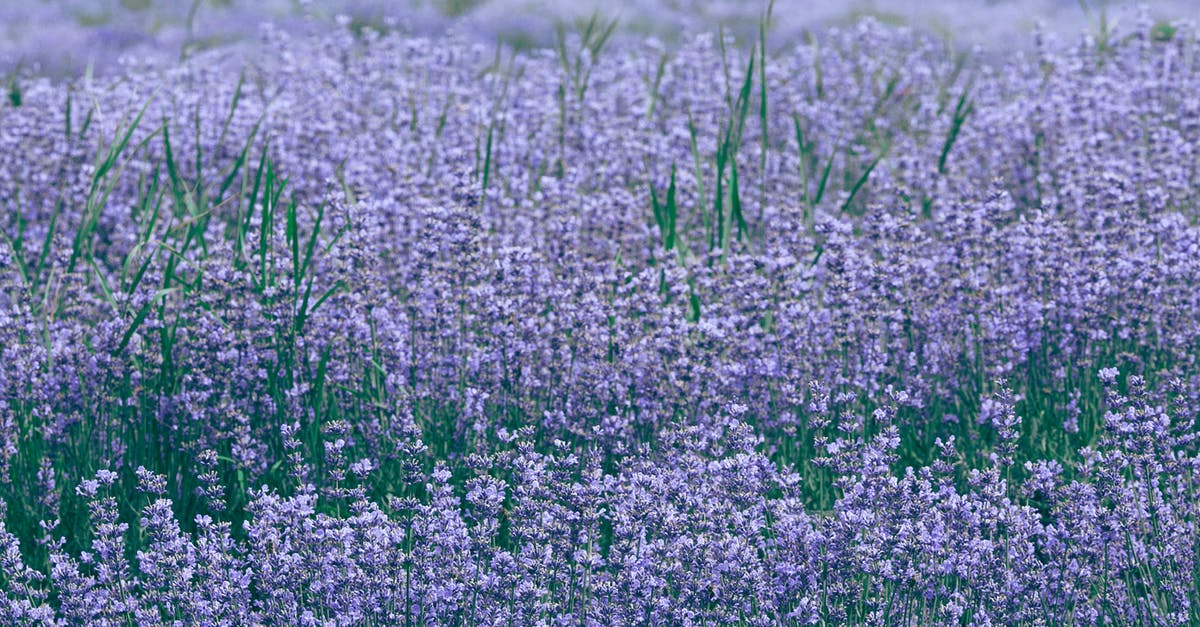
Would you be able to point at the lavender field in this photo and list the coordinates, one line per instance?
(376, 326)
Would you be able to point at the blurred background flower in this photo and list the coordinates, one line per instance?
(65, 36)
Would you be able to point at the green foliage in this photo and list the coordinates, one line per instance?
(962, 109)
(594, 35)
(666, 213)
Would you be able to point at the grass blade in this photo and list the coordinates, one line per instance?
(961, 111)
(666, 213)
(699, 173)
(141, 317)
(862, 180)
(735, 202)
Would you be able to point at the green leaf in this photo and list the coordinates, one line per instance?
(141, 317)
(961, 111)
(862, 180)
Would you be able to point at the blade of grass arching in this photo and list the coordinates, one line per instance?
(512, 74)
(302, 309)
(140, 318)
(274, 190)
(590, 39)
(693, 301)
(665, 213)
(287, 202)
(351, 192)
(268, 225)
(595, 43)
(818, 72)
(104, 288)
(598, 43)
(199, 149)
(318, 386)
(487, 166)
(726, 154)
(560, 49)
(535, 181)
(176, 254)
(312, 240)
(324, 297)
(494, 66)
(183, 197)
(292, 232)
(882, 102)
(47, 244)
(442, 117)
(68, 115)
(93, 206)
(805, 155)
(699, 175)
(733, 144)
(15, 97)
(106, 160)
(825, 175)
(157, 194)
(585, 35)
(658, 75)
(725, 70)
(413, 112)
(718, 236)
(252, 201)
(658, 213)
(169, 156)
(765, 22)
(233, 105)
(960, 63)
(18, 253)
(194, 203)
(561, 100)
(198, 208)
(763, 25)
(141, 274)
(439, 128)
(743, 105)
(87, 122)
(238, 163)
(862, 180)
(961, 111)
(168, 335)
(587, 28)
(735, 200)
(672, 211)
(152, 201)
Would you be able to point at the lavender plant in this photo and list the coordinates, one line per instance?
(386, 329)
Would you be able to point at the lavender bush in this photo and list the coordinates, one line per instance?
(384, 329)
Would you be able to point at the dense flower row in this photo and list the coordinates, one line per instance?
(702, 529)
(388, 329)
